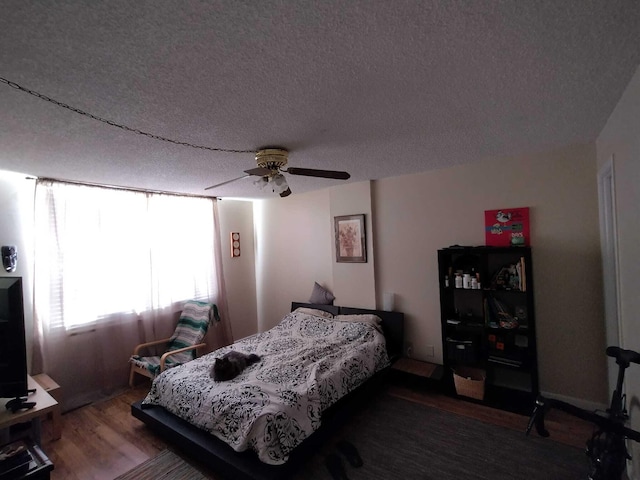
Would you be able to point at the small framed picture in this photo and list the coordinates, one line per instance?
(351, 240)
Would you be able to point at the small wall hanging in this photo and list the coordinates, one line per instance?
(10, 257)
(507, 227)
(235, 244)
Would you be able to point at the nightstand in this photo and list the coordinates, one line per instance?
(45, 404)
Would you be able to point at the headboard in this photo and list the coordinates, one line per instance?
(392, 323)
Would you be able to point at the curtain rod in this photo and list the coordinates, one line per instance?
(118, 187)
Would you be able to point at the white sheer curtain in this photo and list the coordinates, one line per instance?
(112, 269)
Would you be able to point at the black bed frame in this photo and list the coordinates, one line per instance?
(215, 454)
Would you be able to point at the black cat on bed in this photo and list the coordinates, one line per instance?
(231, 364)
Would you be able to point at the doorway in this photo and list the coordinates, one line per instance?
(610, 270)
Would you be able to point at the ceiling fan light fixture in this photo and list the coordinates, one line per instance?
(261, 182)
(279, 184)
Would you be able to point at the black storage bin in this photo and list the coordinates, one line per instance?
(461, 351)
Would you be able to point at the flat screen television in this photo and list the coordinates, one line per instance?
(13, 349)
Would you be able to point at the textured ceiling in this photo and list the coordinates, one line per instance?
(376, 88)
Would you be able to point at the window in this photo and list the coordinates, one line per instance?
(102, 251)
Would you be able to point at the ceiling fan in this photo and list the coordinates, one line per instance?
(271, 162)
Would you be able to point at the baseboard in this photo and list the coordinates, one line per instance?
(578, 402)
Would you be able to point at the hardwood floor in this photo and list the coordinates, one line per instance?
(103, 440)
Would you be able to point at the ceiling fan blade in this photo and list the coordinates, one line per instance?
(259, 171)
(312, 172)
(228, 181)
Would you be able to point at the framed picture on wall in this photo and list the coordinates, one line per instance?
(351, 240)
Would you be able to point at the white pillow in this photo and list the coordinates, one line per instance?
(314, 311)
(373, 320)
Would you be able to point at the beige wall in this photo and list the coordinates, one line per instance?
(413, 216)
(239, 272)
(620, 139)
(418, 214)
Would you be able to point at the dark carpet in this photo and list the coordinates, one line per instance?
(398, 439)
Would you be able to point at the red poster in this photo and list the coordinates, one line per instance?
(507, 227)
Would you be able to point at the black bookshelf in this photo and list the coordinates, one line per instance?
(488, 322)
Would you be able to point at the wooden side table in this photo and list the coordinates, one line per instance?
(45, 404)
(53, 389)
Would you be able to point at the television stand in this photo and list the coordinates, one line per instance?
(18, 404)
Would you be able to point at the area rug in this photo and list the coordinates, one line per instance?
(398, 439)
(164, 466)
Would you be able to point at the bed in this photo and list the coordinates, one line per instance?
(277, 421)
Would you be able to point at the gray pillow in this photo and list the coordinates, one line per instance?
(321, 296)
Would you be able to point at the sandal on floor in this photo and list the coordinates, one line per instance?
(334, 465)
(350, 452)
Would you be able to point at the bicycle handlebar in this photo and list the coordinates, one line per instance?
(623, 357)
(605, 423)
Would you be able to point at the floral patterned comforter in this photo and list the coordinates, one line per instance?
(308, 363)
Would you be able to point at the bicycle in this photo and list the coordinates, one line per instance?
(606, 449)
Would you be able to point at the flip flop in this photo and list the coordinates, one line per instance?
(350, 452)
(334, 465)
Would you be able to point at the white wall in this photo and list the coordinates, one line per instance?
(16, 228)
(239, 272)
(354, 283)
(620, 139)
(293, 250)
(413, 216)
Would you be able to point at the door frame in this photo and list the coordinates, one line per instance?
(610, 262)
